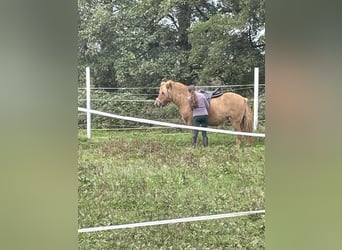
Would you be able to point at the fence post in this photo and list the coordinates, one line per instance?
(256, 98)
(88, 102)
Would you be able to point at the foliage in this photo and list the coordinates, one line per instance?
(132, 104)
(262, 110)
(125, 104)
(138, 43)
(127, 177)
(225, 47)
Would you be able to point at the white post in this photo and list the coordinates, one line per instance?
(88, 102)
(256, 98)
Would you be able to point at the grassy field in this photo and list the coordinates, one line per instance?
(127, 177)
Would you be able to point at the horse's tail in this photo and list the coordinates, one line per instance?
(247, 121)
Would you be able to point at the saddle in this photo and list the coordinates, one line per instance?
(211, 94)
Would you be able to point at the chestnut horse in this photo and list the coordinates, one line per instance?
(227, 107)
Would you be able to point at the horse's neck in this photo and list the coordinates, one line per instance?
(180, 99)
(179, 96)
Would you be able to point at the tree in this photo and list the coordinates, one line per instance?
(226, 47)
(140, 42)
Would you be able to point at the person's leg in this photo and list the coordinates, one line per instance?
(195, 122)
(204, 123)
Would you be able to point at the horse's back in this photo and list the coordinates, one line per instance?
(233, 99)
(229, 105)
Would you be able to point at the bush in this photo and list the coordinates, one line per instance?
(125, 104)
(130, 104)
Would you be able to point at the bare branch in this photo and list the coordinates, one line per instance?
(173, 21)
(201, 13)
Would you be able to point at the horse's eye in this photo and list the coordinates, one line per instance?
(162, 92)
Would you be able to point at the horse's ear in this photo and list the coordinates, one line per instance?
(169, 84)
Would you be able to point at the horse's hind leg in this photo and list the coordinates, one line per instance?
(236, 126)
(238, 141)
(249, 141)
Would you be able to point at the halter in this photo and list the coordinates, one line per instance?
(168, 99)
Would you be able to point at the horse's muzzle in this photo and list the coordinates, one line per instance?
(157, 103)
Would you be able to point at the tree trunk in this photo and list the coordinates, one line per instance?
(184, 21)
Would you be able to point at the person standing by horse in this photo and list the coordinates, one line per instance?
(199, 106)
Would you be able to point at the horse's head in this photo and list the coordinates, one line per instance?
(165, 95)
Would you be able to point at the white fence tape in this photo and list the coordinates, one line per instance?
(167, 124)
(171, 221)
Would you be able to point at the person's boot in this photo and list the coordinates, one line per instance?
(193, 142)
(205, 141)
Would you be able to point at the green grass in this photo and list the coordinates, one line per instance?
(128, 177)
